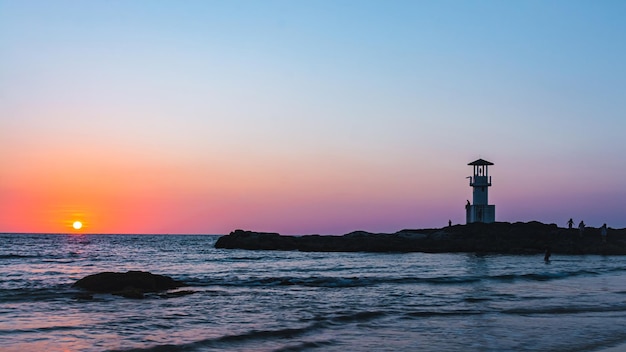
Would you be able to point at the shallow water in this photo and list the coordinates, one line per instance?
(296, 301)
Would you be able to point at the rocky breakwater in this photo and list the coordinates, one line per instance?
(500, 237)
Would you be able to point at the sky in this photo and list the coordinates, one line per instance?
(309, 116)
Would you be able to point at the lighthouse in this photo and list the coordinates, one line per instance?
(480, 210)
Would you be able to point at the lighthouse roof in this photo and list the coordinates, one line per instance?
(480, 162)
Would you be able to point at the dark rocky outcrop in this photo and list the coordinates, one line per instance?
(500, 237)
(131, 284)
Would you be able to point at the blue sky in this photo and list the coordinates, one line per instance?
(344, 114)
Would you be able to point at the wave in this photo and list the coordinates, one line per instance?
(308, 345)
(563, 310)
(324, 281)
(42, 293)
(30, 294)
(356, 317)
(45, 258)
(17, 256)
(256, 337)
(542, 276)
(364, 281)
(549, 310)
(235, 259)
(217, 285)
(47, 329)
(227, 341)
(422, 314)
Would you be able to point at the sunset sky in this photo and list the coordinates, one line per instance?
(308, 116)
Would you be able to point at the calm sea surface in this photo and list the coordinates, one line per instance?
(294, 301)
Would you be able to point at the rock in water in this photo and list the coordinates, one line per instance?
(135, 282)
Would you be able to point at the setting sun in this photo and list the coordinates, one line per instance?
(77, 225)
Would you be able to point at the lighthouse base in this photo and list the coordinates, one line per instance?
(480, 213)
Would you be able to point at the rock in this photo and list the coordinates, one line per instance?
(130, 293)
(132, 284)
(499, 237)
(83, 296)
(255, 240)
(413, 236)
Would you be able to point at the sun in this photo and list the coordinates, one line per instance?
(77, 225)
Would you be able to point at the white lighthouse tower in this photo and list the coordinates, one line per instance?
(480, 210)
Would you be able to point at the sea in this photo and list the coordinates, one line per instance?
(246, 300)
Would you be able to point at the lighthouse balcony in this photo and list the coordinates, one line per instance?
(480, 184)
(480, 181)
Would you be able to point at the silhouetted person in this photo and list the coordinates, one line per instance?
(467, 205)
(603, 233)
(581, 228)
(546, 257)
(449, 223)
(570, 223)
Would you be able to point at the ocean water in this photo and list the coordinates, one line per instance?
(296, 301)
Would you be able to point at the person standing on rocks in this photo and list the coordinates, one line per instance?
(581, 228)
(570, 223)
(603, 233)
